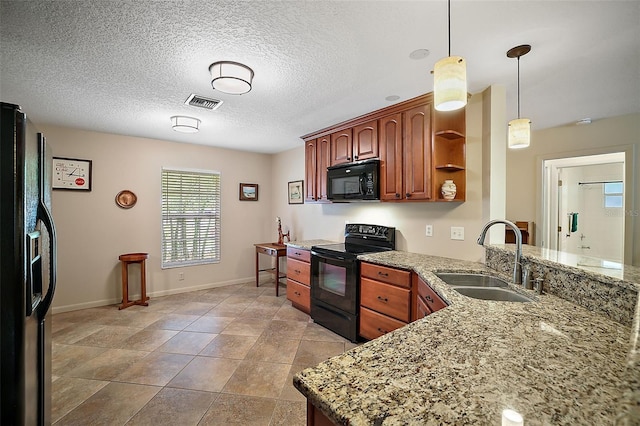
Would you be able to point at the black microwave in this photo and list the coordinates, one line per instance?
(354, 181)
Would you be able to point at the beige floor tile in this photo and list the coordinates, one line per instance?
(209, 324)
(71, 335)
(174, 322)
(108, 365)
(114, 404)
(227, 310)
(171, 406)
(310, 352)
(319, 333)
(148, 339)
(273, 349)
(289, 313)
(257, 311)
(138, 319)
(229, 346)
(286, 329)
(69, 392)
(246, 326)
(67, 357)
(239, 410)
(205, 374)
(157, 369)
(289, 392)
(288, 413)
(263, 379)
(187, 342)
(194, 308)
(109, 337)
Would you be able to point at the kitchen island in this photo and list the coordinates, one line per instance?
(552, 361)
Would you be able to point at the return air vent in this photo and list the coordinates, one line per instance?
(202, 102)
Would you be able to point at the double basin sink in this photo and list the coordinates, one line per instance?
(479, 286)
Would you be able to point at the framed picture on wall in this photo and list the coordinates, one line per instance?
(296, 192)
(71, 173)
(248, 192)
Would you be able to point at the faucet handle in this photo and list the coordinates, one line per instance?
(539, 284)
(527, 278)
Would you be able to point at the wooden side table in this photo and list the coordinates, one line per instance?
(273, 250)
(126, 259)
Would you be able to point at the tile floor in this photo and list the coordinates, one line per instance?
(224, 356)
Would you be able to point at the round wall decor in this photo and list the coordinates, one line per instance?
(126, 199)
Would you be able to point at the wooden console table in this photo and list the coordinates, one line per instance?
(273, 250)
(126, 259)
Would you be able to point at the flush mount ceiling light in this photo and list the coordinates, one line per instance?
(231, 77)
(183, 124)
(450, 79)
(520, 128)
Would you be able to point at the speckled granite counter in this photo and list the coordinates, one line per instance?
(553, 361)
(307, 244)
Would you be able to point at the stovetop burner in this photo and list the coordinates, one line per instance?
(360, 239)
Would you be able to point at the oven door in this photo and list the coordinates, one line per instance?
(334, 281)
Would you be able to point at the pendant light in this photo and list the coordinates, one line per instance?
(520, 128)
(450, 79)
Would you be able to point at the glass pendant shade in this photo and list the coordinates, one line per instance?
(231, 77)
(519, 133)
(450, 83)
(184, 124)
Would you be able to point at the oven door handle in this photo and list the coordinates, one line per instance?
(315, 253)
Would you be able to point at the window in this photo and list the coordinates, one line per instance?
(613, 192)
(190, 217)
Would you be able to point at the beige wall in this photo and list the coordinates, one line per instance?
(618, 134)
(93, 231)
(311, 221)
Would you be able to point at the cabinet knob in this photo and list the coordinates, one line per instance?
(348, 158)
(384, 274)
(429, 299)
(383, 299)
(382, 331)
(397, 195)
(408, 195)
(355, 157)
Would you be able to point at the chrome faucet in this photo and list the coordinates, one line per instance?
(517, 271)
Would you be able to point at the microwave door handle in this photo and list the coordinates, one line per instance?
(362, 185)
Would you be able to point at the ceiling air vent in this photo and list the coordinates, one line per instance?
(202, 102)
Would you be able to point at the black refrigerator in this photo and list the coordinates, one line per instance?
(27, 271)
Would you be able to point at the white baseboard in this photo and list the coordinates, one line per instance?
(169, 292)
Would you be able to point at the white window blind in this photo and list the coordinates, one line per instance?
(190, 217)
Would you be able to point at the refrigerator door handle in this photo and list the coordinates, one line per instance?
(45, 216)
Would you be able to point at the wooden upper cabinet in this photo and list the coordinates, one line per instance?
(365, 141)
(310, 166)
(341, 147)
(390, 144)
(317, 158)
(417, 152)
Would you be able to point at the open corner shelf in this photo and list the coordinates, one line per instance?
(450, 134)
(449, 167)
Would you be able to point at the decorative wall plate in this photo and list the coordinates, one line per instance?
(126, 199)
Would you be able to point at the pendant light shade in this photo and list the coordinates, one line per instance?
(450, 79)
(519, 133)
(231, 77)
(450, 83)
(183, 124)
(520, 128)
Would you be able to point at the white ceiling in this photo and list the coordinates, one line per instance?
(125, 67)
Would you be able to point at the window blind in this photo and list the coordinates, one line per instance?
(190, 218)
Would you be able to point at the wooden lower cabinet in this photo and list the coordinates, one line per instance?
(374, 324)
(315, 417)
(426, 301)
(299, 278)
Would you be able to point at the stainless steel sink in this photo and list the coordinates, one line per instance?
(471, 280)
(492, 293)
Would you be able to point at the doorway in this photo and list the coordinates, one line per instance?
(584, 208)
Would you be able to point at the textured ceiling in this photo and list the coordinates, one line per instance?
(125, 67)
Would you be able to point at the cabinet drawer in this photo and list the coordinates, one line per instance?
(299, 271)
(387, 275)
(300, 254)
(422, 310)
(374, 325)
(299, 295)
(387, 299)
(433, 301)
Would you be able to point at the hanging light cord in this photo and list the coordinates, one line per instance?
(518, 87)
(449, 23)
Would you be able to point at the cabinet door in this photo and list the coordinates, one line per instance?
(386, 299)
(299, 271)
(341, 147)
(299, 295)
(390, 145)
(417, 153)
(310, 165)
(422, 310)
(365, 141)
(374, 325)
(323, 160)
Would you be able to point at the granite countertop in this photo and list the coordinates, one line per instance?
(552, 361)
(307, 244)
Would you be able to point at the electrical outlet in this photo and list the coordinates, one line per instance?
(180, 276)
(457, 233)
(429, 231)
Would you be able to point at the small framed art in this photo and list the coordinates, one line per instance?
(296, 192)
(71, 173)
(248, 192)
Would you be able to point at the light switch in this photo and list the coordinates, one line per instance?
(457, 233)
(429, 231)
